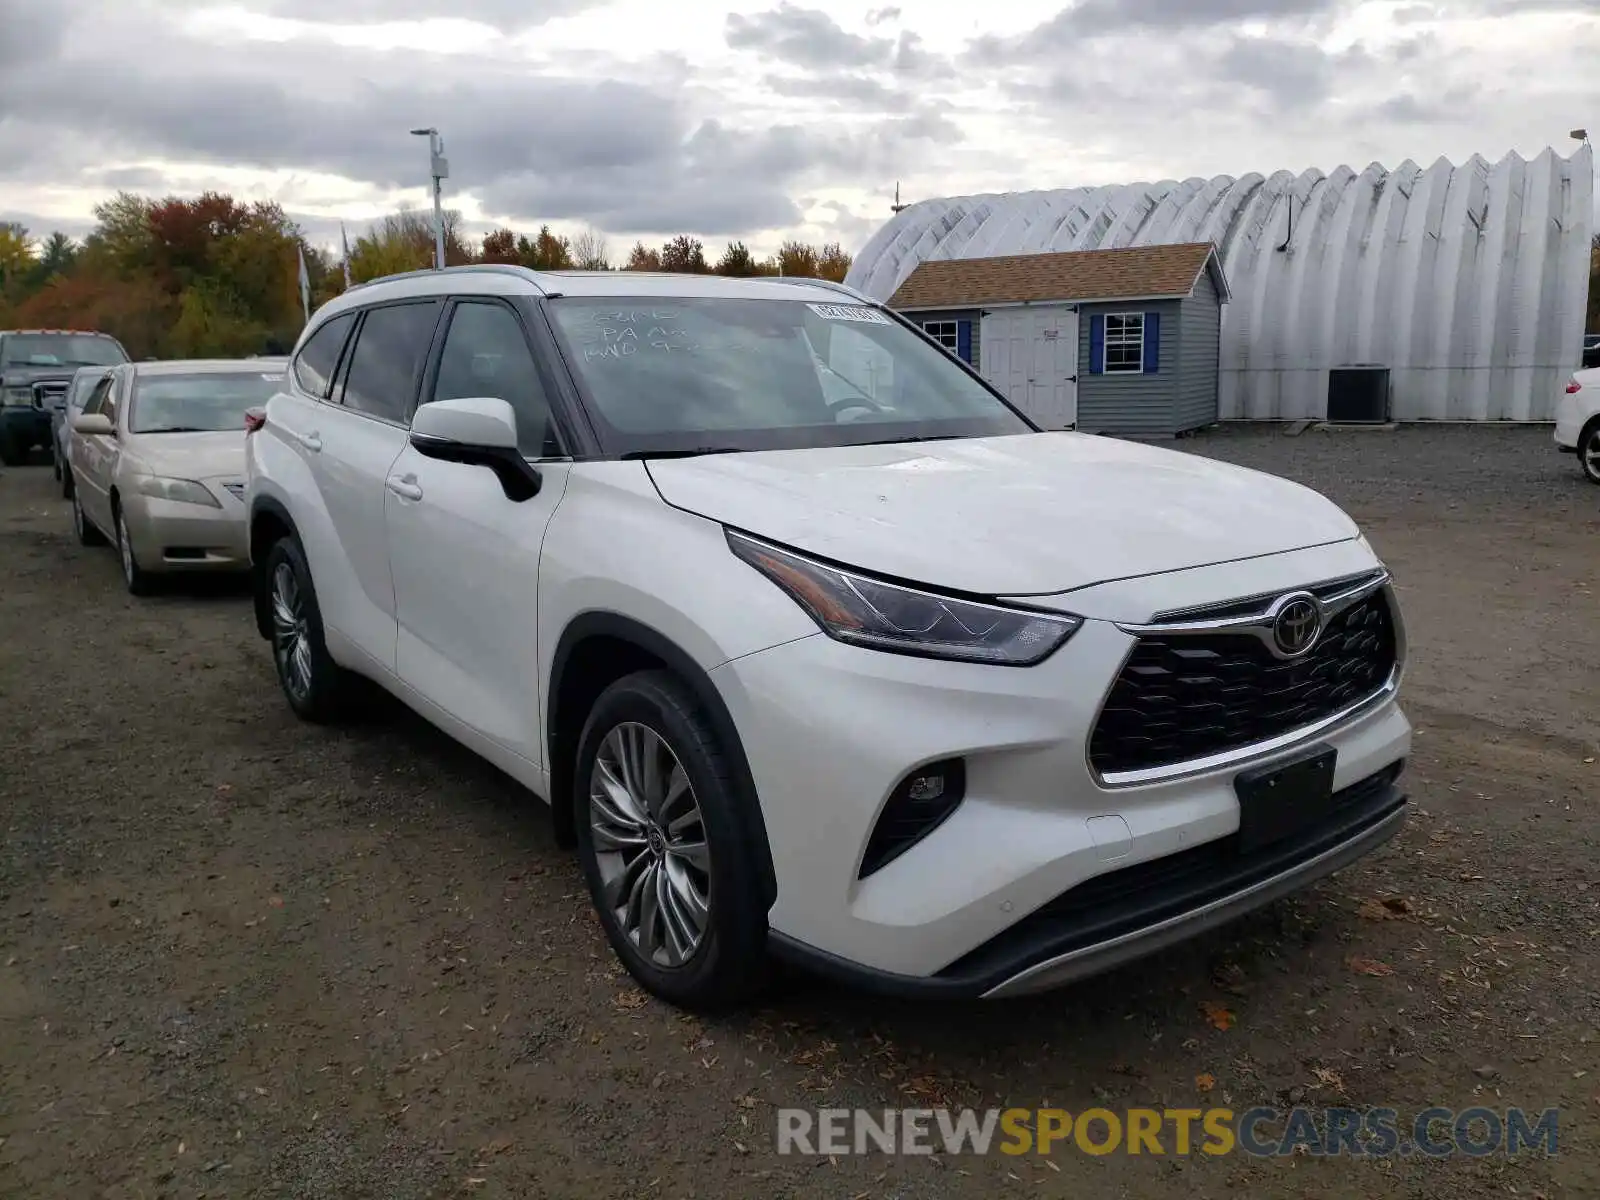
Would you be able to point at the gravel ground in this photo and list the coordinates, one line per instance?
(240, 956)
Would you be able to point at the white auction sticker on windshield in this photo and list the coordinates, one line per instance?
(849, 312)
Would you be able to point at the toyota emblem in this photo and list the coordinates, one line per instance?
(1296, 626)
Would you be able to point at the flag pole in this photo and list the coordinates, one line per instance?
(305, 282)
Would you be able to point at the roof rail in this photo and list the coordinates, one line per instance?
(830, 284)
(465, 269)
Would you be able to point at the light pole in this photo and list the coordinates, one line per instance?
(440, 168)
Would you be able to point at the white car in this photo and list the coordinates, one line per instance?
(877, 679)
(1578, 421)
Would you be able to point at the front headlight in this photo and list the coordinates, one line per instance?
(186, 491)
(16, 396)
(868, 612)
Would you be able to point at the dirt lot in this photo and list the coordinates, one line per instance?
(244, 957)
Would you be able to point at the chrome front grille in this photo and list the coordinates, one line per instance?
(1203, 684)
(50, 393)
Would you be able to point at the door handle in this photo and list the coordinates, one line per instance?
(311, 441)
(403, 486)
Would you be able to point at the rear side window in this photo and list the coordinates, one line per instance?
(392, 343)
(314, 366)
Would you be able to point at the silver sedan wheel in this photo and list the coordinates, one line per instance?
(291, 640)
(650, 844)
(126, 547)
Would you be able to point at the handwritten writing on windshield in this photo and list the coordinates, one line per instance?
(625, 333)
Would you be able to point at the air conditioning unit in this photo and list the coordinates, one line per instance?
(1358, 395)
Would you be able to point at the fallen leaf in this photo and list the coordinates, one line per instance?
(1368, 966)
(1230, 977)
(1328, 1077)
(1204, 1083)
(633, 999)
(1218, 1016)
(275, 901)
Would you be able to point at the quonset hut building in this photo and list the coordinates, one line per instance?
(1468, 283)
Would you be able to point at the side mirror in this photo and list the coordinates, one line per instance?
(477, 431)
(93, 424)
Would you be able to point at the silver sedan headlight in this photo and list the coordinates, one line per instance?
(185, 491)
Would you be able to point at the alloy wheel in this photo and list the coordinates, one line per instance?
(1589, 452)
(128, 569)
(650, 844)
(291, 641)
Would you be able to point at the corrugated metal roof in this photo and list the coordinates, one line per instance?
(1133, 273)
(1468, 281)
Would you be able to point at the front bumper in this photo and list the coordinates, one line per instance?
(25, 426)
(173, 536)
(991, 902)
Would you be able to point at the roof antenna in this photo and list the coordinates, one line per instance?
(897, 207)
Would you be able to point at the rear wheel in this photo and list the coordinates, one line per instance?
(660, 842)
(66, 483)
(1589, 451)
(315, 686)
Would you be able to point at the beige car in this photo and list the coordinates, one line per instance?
(157, 462)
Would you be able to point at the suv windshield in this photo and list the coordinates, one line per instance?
(199, 403)
(61, 350)
(755, 374)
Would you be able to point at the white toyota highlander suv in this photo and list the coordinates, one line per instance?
(818, 649)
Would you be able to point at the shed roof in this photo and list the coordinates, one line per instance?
(1128, 273)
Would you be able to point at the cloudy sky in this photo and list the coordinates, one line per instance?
(756, 121)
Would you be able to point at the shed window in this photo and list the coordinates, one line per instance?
(1124, 344)
(946, 333)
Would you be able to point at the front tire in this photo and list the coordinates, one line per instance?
(86, 533)
(139, 581)
(1589, 451)
(660, 843)
(315, 686)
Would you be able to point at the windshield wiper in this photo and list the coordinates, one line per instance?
(932, 437)
(176, 429)
(693, 452)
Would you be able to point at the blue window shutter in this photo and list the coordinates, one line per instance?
(1152, 342)
(1097, 345)
(964, 340)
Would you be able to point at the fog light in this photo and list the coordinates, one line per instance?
(919, 804)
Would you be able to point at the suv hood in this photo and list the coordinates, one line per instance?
(26, 377)
(1027, 514)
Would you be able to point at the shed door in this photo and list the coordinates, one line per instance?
(1031, 355)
